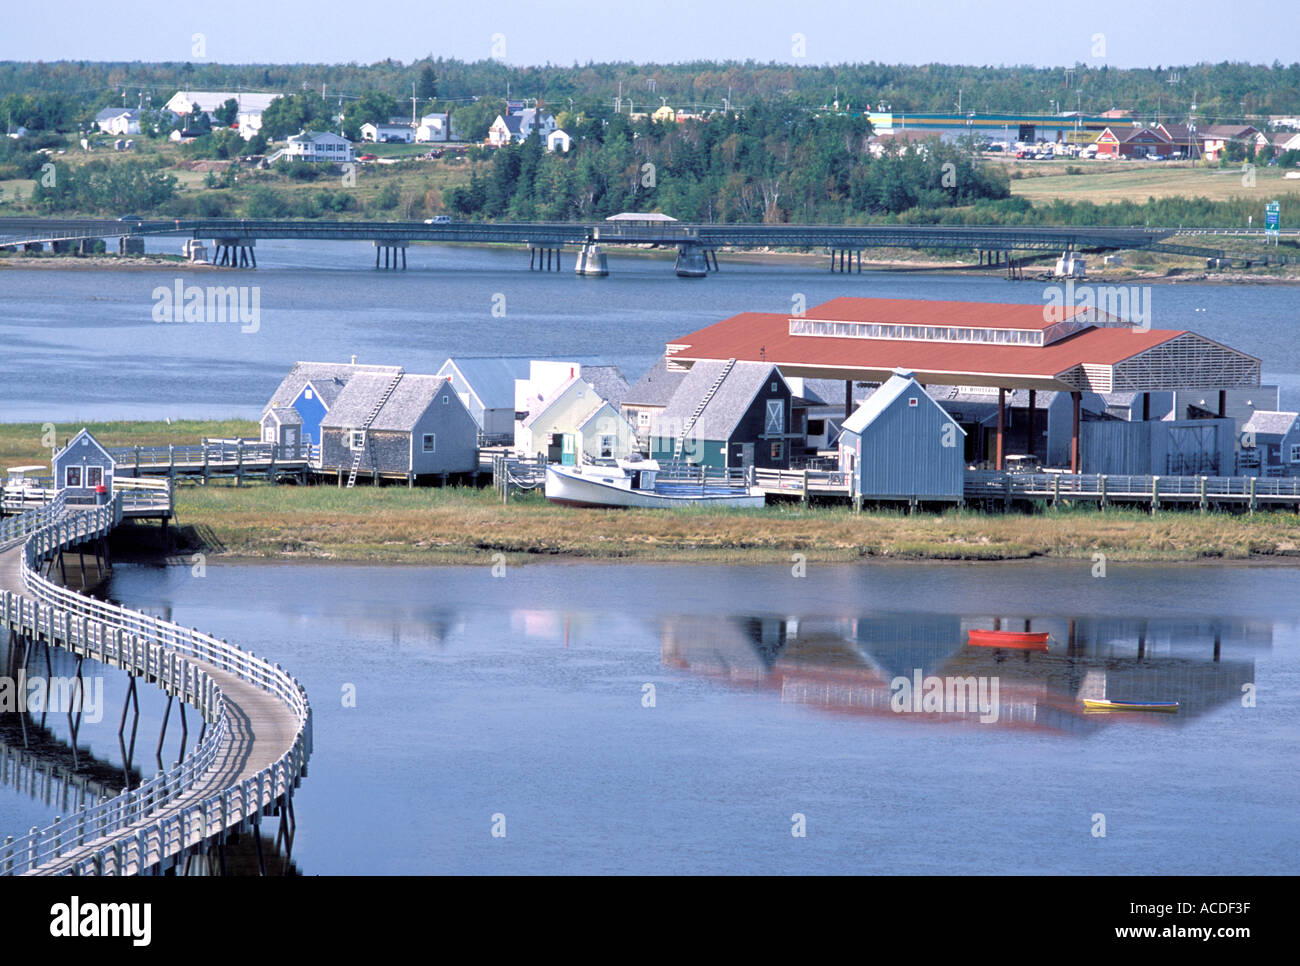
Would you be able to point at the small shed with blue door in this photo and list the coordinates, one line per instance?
(81, 467)
(311, 389)
(902, 445)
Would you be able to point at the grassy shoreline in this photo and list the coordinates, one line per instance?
(393, 525)
(461, 525)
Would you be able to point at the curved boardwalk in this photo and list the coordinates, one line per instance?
(257, 723)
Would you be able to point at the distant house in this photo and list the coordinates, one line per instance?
(403, 133)
(1285, 141)
(487, 388)
(577, 421)
(82, 466)
(1276, 444)
(249, 115)
(727, 414)
(513, 128)
(436, 127)
(120, 121)
(310, 389)
(664, 114)
(902, 445)
(648, 397)
(421, 428)
(319, 146)
(559, 140)
(531, 391)
(1215, 138)
(1134, 142)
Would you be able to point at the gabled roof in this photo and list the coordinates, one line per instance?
(608, 381)
(1264, 422)
(412, 396)
(76, 441)
(307, 137)
(656, 387)
(250, 102)
(108, 113)
(727, 406)
(595, 399)
(327, 378)
(491, 380)
(901, 383)
(284, 415)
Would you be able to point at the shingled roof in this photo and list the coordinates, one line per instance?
(1264, 422)
(728, 405)
(403, 409)
(328, 378)
(656, 387)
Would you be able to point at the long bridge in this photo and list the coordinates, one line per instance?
(257, 724)
(234, 240)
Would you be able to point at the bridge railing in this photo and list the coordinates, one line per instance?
(167, 653)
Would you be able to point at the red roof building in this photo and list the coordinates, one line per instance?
(1074, 347)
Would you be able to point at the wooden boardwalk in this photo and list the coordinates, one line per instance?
(257, 723)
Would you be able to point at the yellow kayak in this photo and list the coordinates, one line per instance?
(1169, 707)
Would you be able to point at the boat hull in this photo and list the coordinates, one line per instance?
(573, 489)
(1020, 640)
(1165, 707)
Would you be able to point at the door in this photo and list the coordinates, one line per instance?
(746, 455)
(566, 449)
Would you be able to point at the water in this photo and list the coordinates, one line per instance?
(523, 697)
(83, 344)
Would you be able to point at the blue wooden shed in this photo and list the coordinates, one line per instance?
(81, 467)
(902, 445)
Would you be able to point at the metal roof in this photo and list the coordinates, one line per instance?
(328, 379)
(729, 403)
(1098, 359)
(492, 380)
(412, 396)
(656, 387)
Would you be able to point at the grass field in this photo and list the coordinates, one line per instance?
(1104, 181)
(25, 443)
(457, 525)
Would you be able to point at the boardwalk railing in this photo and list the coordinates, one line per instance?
(212, 453)
(165, 816)
(804, 482)
(1246, 490)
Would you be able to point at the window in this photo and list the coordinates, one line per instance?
(1295, 452)
(775, 416)
(816, 427)
(268, 434)
(430, 442)
(911, 402)
(774, 387)
(358, 439)
(72, 476)
(94, 475)
(607, 446)
(446, 400)
(778, 448)
(306, 393)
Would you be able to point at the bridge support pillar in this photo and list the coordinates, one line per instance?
(61, 247)
(130, 245)
(390, 249)
(234, 252)
(691, 261)
(591, 262)
(88, 246)
(34, 246)
(543, 258)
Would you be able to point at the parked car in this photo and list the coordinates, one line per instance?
(368, 157)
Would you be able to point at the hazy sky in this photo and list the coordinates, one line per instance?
(1133, 33)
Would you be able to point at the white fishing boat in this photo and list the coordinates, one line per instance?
(642, 483)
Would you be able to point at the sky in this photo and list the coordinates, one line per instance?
(1121, 33)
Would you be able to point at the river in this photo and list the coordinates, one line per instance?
(83, 344)
(681, 718)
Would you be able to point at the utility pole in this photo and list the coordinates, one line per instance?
(412, 103)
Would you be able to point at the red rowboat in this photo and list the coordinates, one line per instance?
(1020, 640)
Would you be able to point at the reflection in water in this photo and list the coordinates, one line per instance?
(920, 667)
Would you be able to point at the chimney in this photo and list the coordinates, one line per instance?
(354, 358)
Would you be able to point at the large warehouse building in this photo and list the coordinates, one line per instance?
(1058, 349)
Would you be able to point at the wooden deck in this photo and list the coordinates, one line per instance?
(257, 734)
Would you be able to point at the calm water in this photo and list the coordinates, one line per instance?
(523, 697)
(78, 344)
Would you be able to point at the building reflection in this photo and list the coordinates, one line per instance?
(872, 664)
